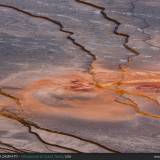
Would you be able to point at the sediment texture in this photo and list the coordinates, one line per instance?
(79, 76)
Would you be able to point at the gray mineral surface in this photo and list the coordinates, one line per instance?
(80, 76)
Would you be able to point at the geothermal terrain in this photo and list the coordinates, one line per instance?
(80, 76)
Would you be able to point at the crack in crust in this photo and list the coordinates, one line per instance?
(11, 147)
(16, 99)
(115, 31)
(29, 124)
(136, 107)
(129, 58)
(90, 71)
(61, 28)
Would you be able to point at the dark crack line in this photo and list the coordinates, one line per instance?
(61, 28)
(126, 40)
(50, 144)
(10, 146)
(28, 124)
(136, 108)
(115, 31)
(17, 100)
(74, 42)
(15, 151)
(8, 150)
(77, 137)
(12, 150)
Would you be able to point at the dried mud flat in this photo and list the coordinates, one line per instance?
(80, 76)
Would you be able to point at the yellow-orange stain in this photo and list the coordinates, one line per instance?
(79, 99)
(77, 95)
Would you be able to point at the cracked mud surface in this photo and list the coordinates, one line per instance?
(79, 76)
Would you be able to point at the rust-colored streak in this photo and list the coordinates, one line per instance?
(78, 85)
(92, 96)
(150, 87)
(137, 109)
(67, 96)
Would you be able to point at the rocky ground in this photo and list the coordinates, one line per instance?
(80, 76)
